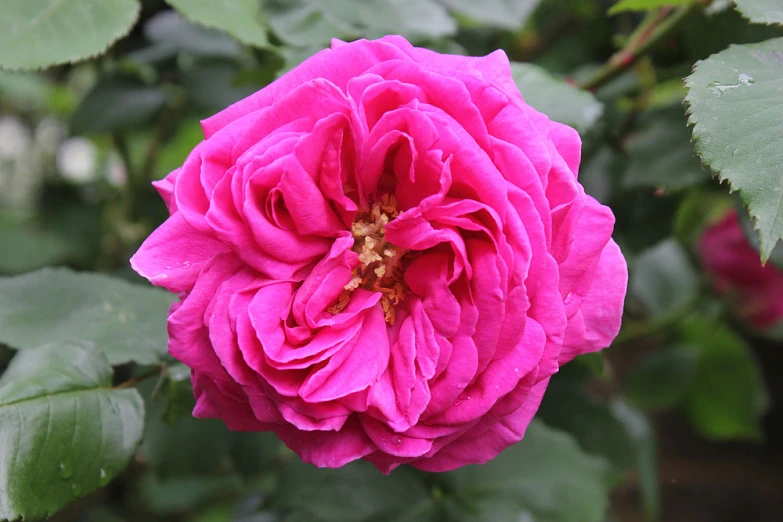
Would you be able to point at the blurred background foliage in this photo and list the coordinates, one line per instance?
(679, 420)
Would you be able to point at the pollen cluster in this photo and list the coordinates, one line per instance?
(381, 267)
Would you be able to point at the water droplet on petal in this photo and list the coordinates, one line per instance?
(516, 370)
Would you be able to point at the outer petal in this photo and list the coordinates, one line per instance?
(337, 65)
(165, 188)
(174, 254)
(224, 401)
(488, 444)
(493, 68)
(602, 307)
(591, 233)
(328, 449)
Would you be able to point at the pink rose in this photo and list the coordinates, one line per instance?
(737, 272)
(384, 255)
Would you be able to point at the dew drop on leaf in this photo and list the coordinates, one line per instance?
(103, 478)
(66, 469)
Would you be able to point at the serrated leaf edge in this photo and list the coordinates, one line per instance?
(223, 29)
(748, 17)
(716, 171)
(119, 37)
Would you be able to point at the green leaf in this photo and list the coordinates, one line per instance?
(663, 379)
(761, 11)
(174, 444)
(188, 135)
(568, 407)
(26, 248)
(735, 106)
(592, 361)
(64, 432)
(176, 447)
(661, 155)
(211, 86)
(24, 91)
(170, 34)
(776, 257)
(506, 14)
(642, 434)
(596, 173)
(293, 56)
(252, 453)
(36, 34)
(544, 477)
(305, 23)
(117, 104)
(663, 279)
(702, 36)
(242, 19)
(557, 99)
(182, 494)
(729, 396)
(698, 208)
(355, 493)
(668, 94)
(644, 5)
(127, 321)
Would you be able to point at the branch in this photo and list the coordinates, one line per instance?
(653, 29)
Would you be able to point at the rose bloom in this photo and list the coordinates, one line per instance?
(384, 255)
(737, 272)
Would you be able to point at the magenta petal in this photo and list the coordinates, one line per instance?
(338, 66)
(592, 233)
(355, 366)
(736, 270)
(393, 443)
(165, 188)
(549, 311)
(602, 308)
(224, 401)
(188, 333)
(328, 449)
(173, 255)
(486, 446)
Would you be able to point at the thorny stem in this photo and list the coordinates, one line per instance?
(651, 31)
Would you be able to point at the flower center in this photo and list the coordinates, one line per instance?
(381, 263)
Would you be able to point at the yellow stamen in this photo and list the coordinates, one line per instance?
(381, 263)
